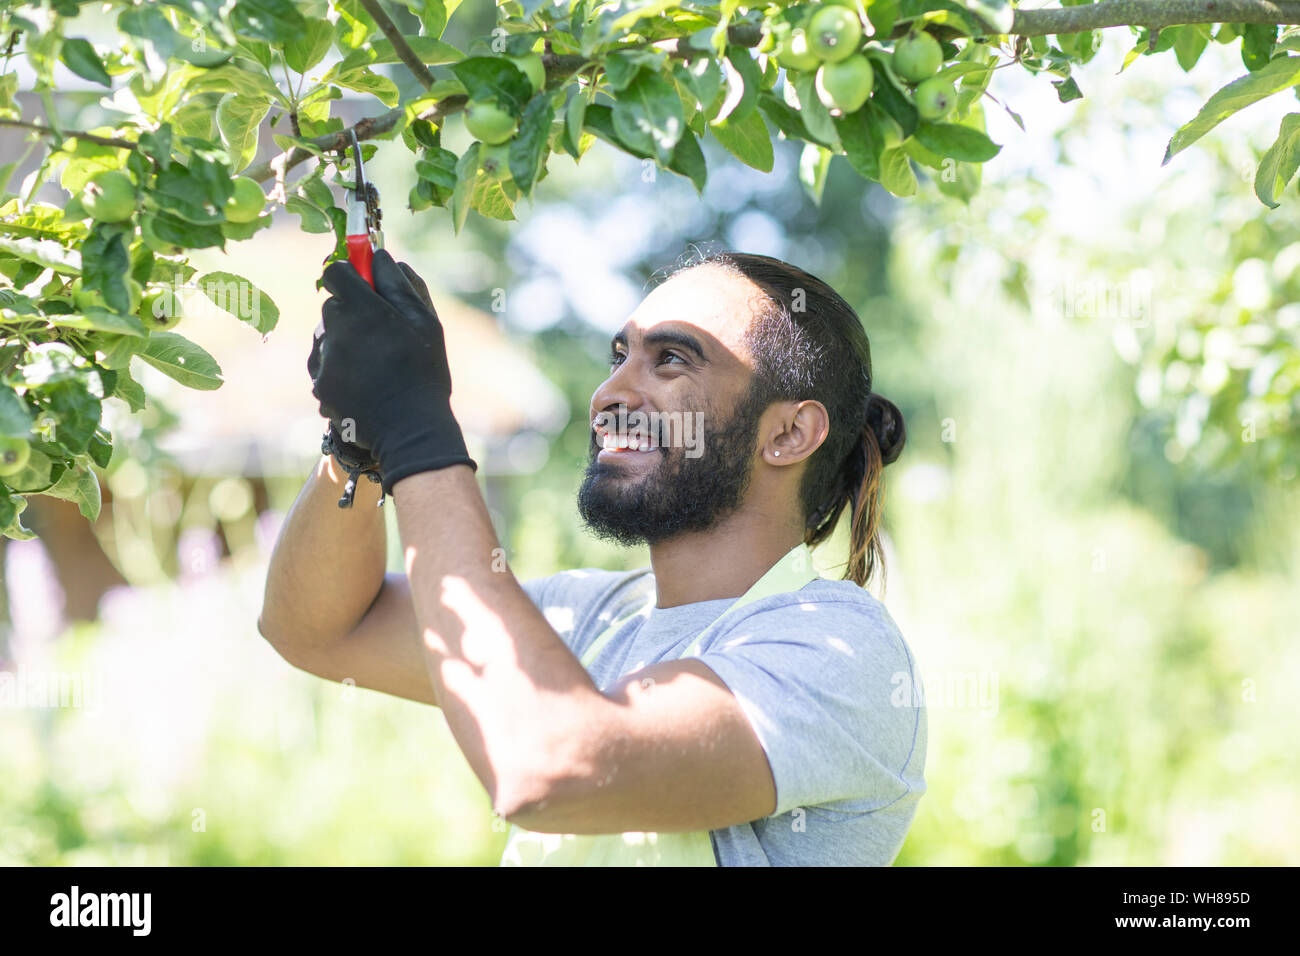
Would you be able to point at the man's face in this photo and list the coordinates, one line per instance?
(675, 424)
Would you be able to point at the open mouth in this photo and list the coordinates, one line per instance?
(635, 442)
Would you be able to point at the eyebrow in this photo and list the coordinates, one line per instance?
(665, 337)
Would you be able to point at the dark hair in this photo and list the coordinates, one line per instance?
(809, 343)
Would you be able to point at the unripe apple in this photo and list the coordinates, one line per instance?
(14, 454)
(917, 56)
(834, 33)
(845, 85)
(488, 122)
(109, 196)
(935, 98)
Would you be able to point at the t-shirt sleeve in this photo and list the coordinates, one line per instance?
(820, 684)
(568, 598)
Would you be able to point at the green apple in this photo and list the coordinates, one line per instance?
(935, 98)
(834, 33)
(793, 53)
(494, 160)
(530, 64)
(845, 85)
(488, 122)
(109, 196)
(246, 202)
(917, 56)
(161, 310)
(14, 453)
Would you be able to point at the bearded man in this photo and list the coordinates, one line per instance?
(725, 706)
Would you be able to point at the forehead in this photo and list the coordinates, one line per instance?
(718, 304)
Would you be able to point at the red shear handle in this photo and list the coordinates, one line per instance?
(360, 253)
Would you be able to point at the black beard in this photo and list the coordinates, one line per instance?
(679, 494)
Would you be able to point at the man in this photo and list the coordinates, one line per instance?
(729, 707)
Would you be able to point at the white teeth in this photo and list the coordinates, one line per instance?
(612, 442)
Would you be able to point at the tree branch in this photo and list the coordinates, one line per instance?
(1147, 13)
(400, 46)
(69, 134)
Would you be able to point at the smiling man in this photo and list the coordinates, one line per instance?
(727, 705)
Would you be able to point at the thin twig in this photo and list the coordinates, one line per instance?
(400, 46)
(73, 134)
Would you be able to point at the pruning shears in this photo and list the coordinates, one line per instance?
(364, 236)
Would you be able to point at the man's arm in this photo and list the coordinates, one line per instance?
(329, 609)
(668, 749)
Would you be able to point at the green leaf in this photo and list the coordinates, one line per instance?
(960, 180)
(180, 232)
(15, 416)
(80, 57)
(179, 358)
(233, 78)
(314, 219)
(494, 78)
(105, 263)
(747, 139)
(101, 320)
(275, 21)
(76, 412)
(959, 142)
(1257, 42)
(36, 474)
(744, 75)
(649, 116)
(863, 140)
(892, 99)
(363, 81)
(242, 299)
(45, 252)
(466, 174)
(1280, 162)
(180, 192)
(1280, 74)
(310, 46)
(78, 484)
(815, 115)
(528, 149)
(896, 173)
(238, 118)
(129, 390)
(814, 162)
(1067, 89)
(1189, 45)
(574, 115)
(688, 161)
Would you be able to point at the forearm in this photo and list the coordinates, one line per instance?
(328, 562)
(513, 694)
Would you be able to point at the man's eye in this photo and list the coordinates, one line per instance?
(616, 359)
(671, 355)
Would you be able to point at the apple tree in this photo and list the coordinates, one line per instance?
(89, 285)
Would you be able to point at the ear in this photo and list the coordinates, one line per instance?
(795, 431)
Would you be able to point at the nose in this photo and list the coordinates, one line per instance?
(621, 389)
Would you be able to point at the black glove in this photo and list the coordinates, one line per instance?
(350, 455)
(383, 364)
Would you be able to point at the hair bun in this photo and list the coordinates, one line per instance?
(886, 423)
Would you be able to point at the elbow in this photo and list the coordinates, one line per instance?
(543, 792)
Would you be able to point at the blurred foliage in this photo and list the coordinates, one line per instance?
(1100, 598)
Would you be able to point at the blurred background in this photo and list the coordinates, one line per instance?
(1093, 531)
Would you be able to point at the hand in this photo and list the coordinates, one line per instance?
(383, 365)
(346, 453)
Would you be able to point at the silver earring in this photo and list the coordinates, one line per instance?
(776, 454)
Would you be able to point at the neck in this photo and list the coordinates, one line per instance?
(722, 562)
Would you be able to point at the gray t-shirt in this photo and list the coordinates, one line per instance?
(826, 680)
